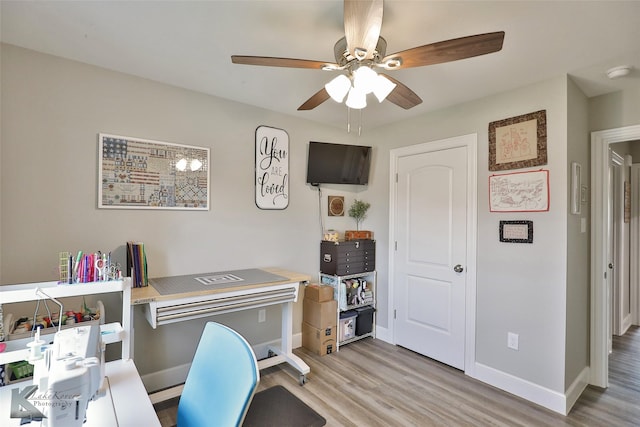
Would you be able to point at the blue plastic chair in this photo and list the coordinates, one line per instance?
(221, 382)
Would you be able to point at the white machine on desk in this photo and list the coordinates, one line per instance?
(68, 374)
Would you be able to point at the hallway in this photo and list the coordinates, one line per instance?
(620, 401)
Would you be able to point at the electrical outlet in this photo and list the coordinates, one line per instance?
(512, 340)
(262, 315)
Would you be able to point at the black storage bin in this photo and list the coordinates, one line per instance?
(364, 325)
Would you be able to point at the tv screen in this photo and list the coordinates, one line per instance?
(338, 164)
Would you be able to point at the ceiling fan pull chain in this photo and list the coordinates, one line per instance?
(348, 120)
(360, 124)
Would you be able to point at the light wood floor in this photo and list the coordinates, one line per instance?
(372, 383)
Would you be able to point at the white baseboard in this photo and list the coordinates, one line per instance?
(384, 334)
(173, 376)
(535, 393)
(165, 378)
(576, 389)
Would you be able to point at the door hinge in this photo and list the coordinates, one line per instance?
(396, 177)
(394, 313)
(396, 245)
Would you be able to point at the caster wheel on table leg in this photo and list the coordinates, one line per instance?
(302, 379)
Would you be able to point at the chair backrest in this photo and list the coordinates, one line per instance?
(221, 382)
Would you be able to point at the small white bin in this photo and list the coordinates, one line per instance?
(347, 325)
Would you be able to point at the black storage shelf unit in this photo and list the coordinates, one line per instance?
(349, 257)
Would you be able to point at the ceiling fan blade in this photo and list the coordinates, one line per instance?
(445, 51)
(362, 25)
(283, 62)
(316, 99)
(402, 96)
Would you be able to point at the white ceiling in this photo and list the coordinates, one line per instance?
(189, 44)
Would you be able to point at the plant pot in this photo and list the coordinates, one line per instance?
(358, 234)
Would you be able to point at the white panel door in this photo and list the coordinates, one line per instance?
(430, 260)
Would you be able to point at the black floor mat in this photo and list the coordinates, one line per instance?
(277, 407)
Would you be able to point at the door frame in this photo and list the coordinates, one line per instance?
(600, 311)
(616, 165)
(469, 141)
(634, 274)
(622, 320)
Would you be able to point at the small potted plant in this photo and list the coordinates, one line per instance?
(358, 211)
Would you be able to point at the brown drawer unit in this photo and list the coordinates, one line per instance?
(349, 257)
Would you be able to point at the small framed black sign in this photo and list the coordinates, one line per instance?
(516, 231)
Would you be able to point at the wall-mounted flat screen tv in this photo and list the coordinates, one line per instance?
(338, 164)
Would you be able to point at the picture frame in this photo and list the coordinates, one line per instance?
(136, 173)
(271, 168)
(335, 205)
(519, 192)
(516, 231)
(576, 188)
(518, 142)
(627, 202)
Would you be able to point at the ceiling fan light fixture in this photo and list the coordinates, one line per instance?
(364, 79)
(383, 87)
(356, 99)
(338, 87)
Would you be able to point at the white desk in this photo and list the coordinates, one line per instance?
(177, 307)
(126, 402)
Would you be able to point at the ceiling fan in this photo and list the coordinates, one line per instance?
(362, 50)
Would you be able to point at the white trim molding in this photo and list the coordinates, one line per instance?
(600, 308)
(550, 399)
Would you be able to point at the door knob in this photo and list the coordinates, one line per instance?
(458, 268)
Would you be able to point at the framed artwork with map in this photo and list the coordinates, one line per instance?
(519, 192)
(518, 142)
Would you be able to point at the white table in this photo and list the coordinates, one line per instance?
(124, 404)
(162, 309)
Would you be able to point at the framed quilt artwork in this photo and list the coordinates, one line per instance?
(135, 173)
(518, 142)
(516, 231)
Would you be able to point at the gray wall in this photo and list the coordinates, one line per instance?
(516, 283)
(615, 110)
(578, 248)
(52, 111)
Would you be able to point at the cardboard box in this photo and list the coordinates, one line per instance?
(319, 293)
(320, 341)
(320, 315)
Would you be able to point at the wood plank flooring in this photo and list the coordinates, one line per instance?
(373, 383)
